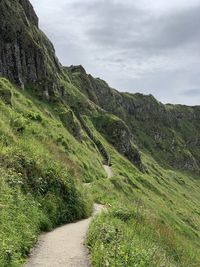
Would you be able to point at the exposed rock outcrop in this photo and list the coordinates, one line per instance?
(119, 135)
(27, 57)
(70, 121)
(171, 133)
(29, 11)
(168, 132)
(105, 155)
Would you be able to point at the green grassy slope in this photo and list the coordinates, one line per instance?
(42, 167)
(152, 218)
(171, 133)
(55, 136)
(46, 157)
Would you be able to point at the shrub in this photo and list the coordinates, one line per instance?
(18, 124)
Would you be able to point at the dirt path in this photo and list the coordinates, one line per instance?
(108, 170)
(63, 247)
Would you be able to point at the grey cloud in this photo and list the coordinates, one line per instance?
(178, 29)
(191, 92)
(113, 23)
(124, 27)
(132, 47)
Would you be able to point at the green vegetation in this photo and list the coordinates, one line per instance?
(49, 150)
(58, 130)
(41, 167)
(46, 155)
(170, 133)
(151, 220)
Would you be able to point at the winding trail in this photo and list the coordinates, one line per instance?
(64, 246)
(108, 170)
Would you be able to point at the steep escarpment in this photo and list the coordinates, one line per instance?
(59, 125)
(118, 134)
(27, 57)
(29, 12)
(168, 132)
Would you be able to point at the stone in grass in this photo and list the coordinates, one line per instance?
(6, 95)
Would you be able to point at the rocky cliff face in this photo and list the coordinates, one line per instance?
(118, 134)
(171, 133)
(27, 57)
(29, 12)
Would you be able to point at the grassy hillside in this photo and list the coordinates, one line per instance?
(41, 168)
(152, 217)
(171, 133)
(58, 127)
(47, 157)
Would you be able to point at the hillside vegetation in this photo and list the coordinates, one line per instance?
(58, 127)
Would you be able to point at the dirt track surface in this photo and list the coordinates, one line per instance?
(64, 246)
(108, 170)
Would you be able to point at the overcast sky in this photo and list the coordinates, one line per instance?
(146, 46)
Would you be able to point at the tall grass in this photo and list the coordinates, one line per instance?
(152, 218)
(40, 174)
